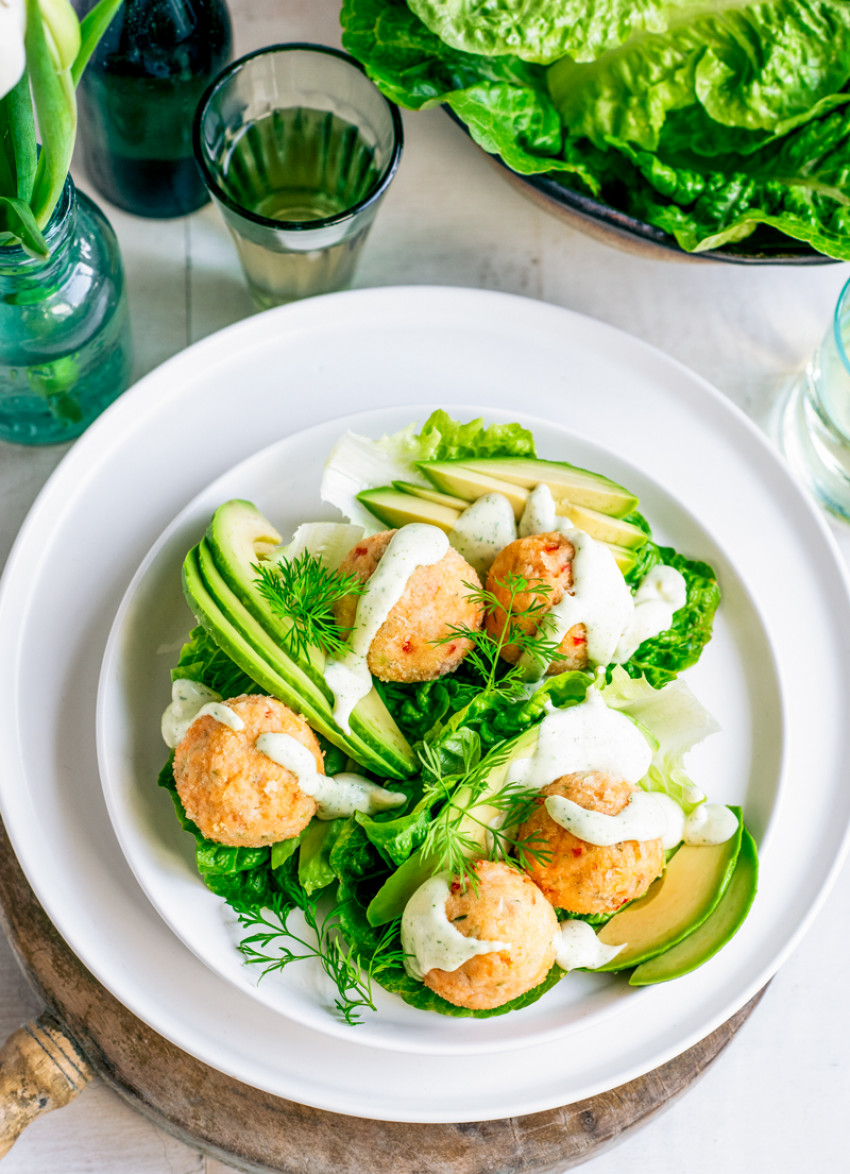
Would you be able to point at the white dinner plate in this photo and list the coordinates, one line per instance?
(276, 374)
(741, 766)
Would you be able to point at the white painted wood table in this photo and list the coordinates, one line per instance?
(776, 1100)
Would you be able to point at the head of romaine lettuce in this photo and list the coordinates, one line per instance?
(711, 120)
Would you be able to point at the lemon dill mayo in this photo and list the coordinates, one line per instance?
(483, 529)
(347, 675)
(428, 938)
(587, 736)
(338, 795)
(617, 622)
(189, 701)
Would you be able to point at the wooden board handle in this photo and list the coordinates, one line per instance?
(41, 1068)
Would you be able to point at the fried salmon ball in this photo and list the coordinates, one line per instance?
(433, 602)
(504, 907)
(583, 877)
(540, 559)
(233, 792)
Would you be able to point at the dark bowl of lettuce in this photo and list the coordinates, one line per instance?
(707, 131)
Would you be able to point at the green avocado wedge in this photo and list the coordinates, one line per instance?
(395, 508)
(374, 741)
(567, 482)
(675, 905)
(717, 929)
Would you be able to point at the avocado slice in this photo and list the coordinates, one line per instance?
(720, 925)
(625, 559)
(395, 508)
(237, 538)
(243, 640)
(446, 499)
(675, 905)
(207, 612)
(580, 486)
(456, 478)
(253, 637)
(269, 645)
(604, 528)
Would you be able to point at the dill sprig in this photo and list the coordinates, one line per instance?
(303, 591)
(273, 945)
(458, 835)
(485, 656)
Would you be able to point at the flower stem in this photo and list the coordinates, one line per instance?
(56, 107)
(18, 153)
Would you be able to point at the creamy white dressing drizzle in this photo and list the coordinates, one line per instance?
(674, 820)
(222, 713)
(710, 823)
(707, 824)
(578, 947)
(189, 701)
(539, 515)
(348, 676)
(661, 593)
(483, 529)
(640, 819)
(587, 736)
(428, 938)
(617, 622)
(337, 796)
(599, 598)
(692, 792)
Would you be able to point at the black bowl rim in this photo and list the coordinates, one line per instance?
(605, 216)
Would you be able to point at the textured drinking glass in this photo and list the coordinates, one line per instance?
(815, 426)
(297, 149)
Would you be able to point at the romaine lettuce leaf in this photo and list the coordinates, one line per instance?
(676, 721)
(502, 100)
(358, 462)
(729, 65)
(662, 657)
(314, 851)
(202, 660)
(236, 874)
(713, 120)
(799, 184)
(545, 30)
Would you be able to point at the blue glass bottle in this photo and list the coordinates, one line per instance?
(138, 97)
(65, 350)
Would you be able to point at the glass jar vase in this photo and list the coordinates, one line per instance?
(65, 350)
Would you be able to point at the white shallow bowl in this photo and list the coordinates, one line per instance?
(703, 468)
(741, 766)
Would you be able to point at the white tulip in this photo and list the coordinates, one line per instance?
(12, 55)
(61, 30)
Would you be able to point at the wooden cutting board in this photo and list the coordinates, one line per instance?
(85, 1032)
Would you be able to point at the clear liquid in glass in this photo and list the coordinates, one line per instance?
(299, 167)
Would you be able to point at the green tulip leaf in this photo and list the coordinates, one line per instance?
(92, 27)
(16, 219)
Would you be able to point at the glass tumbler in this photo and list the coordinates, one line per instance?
(815, 423)
(297, 148)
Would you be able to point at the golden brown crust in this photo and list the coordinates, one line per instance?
(434, 602)
(541, 559)
(590, 878)
(234, 793)
(506, 907)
